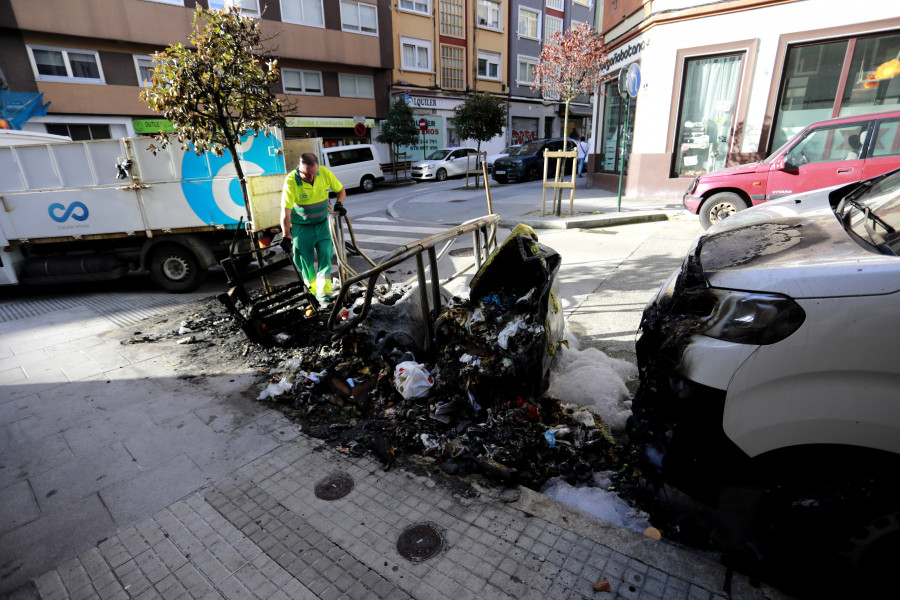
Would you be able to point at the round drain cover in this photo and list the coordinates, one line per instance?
(420, 542)
(462, 252)
(334, 487)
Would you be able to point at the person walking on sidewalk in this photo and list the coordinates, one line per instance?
(304, 221)
(582, 156)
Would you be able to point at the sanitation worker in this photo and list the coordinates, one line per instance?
(304, 222)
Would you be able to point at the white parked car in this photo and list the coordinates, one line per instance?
(768, 363)
(492, 157)
(443, 163)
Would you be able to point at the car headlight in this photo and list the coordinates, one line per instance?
(752, 317)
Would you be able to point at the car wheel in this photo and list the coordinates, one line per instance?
(718, 207)
(175, 269)
(367, 184)
(441, 175)
(533, 174)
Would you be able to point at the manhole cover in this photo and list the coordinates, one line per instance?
(334, 487)
(419, 542)
(462, 252)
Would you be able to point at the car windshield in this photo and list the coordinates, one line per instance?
(872, 212)
(439, 154)
(526, 149)
(508, 150)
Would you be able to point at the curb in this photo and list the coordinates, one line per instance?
(585, 222)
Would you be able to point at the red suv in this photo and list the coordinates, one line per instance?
(827, 153)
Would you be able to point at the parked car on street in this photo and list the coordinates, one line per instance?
(526, 163)
(493, 157)
(355, 166)
(827, 153)
(443, 163)
(768, 365)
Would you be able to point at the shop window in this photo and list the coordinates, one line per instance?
(489, 14)
(58, 64)
(525, 73)
(356, 86)
(415, 55)
(874, 76)
(552, 25)
(419, 6)
(614, 127)
(529, 23)
(359, 17)
(706, 114)
(301, 82)
(452, 21)
(79, 132)
(248, 7)
(452, 67)
(303, 12)
(488, 65)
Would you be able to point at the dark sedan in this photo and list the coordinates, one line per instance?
(526, 163)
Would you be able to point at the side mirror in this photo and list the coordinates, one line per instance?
(786, 163)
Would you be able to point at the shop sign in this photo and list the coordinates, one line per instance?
(623, 55)
(349, 123)
(146, 126)
(430, 138)
(432, 102)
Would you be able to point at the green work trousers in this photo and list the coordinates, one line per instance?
(310, 242)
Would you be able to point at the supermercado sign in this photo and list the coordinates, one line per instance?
(624, 55)
(325, 122)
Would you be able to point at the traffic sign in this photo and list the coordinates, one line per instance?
(423, 124)
(359, 129)
(633, 80)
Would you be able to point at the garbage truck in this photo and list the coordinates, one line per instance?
(86, 211)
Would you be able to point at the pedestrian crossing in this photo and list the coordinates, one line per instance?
(377, 236)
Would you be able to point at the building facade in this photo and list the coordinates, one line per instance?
(90, 59)
(724, 83)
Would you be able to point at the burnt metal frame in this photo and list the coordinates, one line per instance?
(484, 231)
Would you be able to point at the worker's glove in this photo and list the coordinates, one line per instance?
(339, 208)
(286, 245)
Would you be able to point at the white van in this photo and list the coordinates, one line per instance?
(354, 166)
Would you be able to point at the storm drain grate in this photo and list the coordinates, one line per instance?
(334, 487)
(420, 542)
(462, 252)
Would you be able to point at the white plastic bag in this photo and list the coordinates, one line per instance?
(412, 380)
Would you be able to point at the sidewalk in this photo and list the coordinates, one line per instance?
(141, 471)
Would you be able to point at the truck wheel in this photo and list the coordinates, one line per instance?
(367, 184)
(175, 269)
(441, 175)
(719, 206)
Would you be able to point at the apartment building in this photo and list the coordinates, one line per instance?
(89, 59)
(725, 83)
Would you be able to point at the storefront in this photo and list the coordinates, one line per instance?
(334, 131)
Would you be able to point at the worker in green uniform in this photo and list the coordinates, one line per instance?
(304, 221)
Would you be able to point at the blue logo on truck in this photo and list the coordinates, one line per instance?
(210, 185)
(56, 207)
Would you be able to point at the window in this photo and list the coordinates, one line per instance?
(887, 142)
(452, 21)
(811, 85)
(358, 16)
(356, 86)
(350, 156)
(489, 14)
(303, 12)
(488, 65)
(555, 4)
(415, 55)
(56, 64)
(525, 74)
(551, 26)
(706, 114)
(452, 67)
(144, 66)
(301, 82)
(609, 149)
(248, 7)
(419, 6)
(583, 2)
(529, 23)
(79, 132)
(830, 144)
(573, 24)
(178, 2)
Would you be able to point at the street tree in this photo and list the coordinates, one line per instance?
(481, 118)
(219, 90)
(570, 65)
(399, 129)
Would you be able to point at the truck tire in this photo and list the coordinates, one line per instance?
(718, 207)
(367, 184)
(175, 269)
